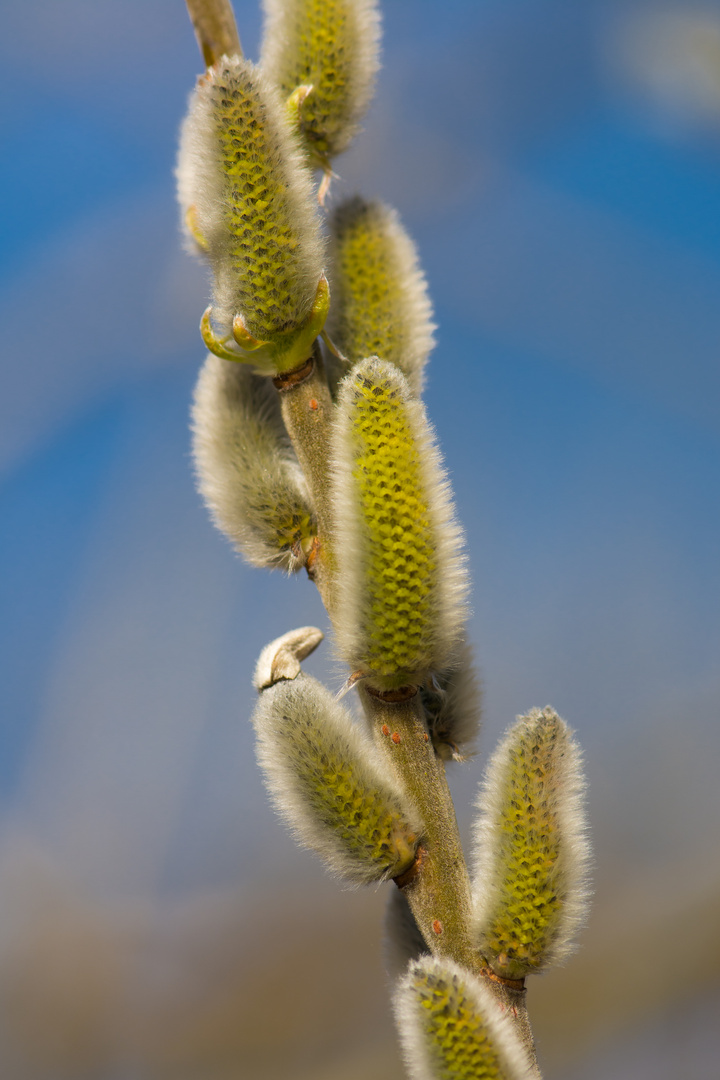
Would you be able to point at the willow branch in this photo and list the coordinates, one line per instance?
(215, 29)
(307, 411)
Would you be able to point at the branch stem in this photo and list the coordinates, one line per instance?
(439, 893)
(307, 411)
(215, 29)
(438, 888)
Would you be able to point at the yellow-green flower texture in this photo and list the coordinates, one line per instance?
(452, 1028)
(329, 785)
(400, 572)
(331, 45)
(380, 301)
(249, 198)
(532, 858)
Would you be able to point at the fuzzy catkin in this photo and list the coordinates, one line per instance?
(380, 305)
(333, 46)
(452, 705)
(244, 187)
(246, 468)
(531, 857)
(400, 572)
(330, 787)
(452, 1028)
(403, 940)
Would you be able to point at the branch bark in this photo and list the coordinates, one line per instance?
(215, 29)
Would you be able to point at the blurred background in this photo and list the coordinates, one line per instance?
(559, 167)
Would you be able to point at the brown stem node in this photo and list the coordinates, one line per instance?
(403, 693)
(512, 984)
(288, 379)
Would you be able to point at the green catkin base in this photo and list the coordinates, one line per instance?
(329, 786)
(330, 45)
(532, 866)
(380, 302)
(452, 1028)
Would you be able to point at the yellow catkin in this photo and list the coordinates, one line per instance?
(402, 561)
(451, 1027)
(262, 237)
(380, 300)
(247, 200)
(327, 782)
(331, 45)
(532, 851)
(400, 571)
(246, 468)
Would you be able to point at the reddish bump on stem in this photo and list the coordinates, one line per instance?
(312, 557)
(395, 737)
(437, 926)
(313, 404)
(385, 729)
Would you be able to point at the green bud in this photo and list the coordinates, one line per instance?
(327, 782)
(452, 1028)
(331, 46)
(246, 468)
(380, 299)
(400, 572)
(248, 205)
(531, 848)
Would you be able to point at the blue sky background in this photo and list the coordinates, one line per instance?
(559, 168)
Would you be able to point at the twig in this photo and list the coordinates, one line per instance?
(215, 29)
